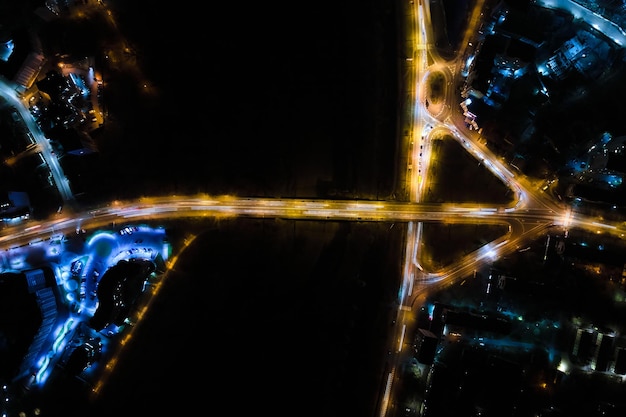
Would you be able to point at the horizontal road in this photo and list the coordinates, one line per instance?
(522, 221)
(531, 215)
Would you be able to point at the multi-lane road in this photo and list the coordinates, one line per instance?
(530, 215)
(533, 211)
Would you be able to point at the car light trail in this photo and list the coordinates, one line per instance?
(387, 394)
(402, 337)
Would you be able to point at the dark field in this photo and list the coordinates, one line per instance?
(455, 176)
(240, 100)
(444, 244)
(261, 315)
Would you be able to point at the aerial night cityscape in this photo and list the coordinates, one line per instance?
(345, 208)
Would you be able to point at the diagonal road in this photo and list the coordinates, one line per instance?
(531, 215)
